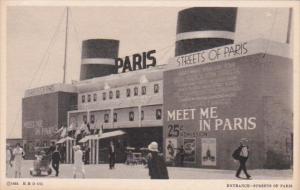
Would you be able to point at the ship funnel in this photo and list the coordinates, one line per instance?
(98, 58)
(201, 28)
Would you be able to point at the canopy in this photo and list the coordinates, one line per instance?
(62, 140)
(102, 136)
(86, 138)
(111, 134)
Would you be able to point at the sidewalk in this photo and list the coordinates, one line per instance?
(123, 171)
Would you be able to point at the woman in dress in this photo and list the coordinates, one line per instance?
(18, 158)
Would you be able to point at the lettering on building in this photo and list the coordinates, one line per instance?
(137, 61)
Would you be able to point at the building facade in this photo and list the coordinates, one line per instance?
(44, 111)
(212, 94)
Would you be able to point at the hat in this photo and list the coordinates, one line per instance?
(153, 146)
(75, 148)
(243, 139)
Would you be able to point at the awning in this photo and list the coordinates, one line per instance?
(111, 134)
(86, 138)
(102, 136)
(62, 140)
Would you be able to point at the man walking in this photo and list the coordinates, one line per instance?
(56, 160)
(51, 149)
(243, 157)
(111, 155)
(86, 155)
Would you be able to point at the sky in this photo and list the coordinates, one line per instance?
(35, 41)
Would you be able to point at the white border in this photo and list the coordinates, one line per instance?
(147, 184)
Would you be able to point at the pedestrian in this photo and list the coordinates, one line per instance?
(18, 154)
(9, 156)
(78, 163)
(48, 154)
(55, 160)
(243, 155)
(156, 164)
(181, 156)
(63, 153)
(111, 155)
(51, 149)
(87, 155)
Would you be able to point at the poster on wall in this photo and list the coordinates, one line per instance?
(208, 152)
(189, 146)
(171, 146)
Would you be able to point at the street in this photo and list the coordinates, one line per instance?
(123, 171)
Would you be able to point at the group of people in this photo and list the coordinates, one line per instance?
(155, 160)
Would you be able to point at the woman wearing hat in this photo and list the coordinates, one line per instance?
(156, 164)
(78, 163)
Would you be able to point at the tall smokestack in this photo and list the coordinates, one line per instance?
(98, 58)
(201, 28)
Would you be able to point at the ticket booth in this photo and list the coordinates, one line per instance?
(91, 142)
(67, 144)
(98, 144)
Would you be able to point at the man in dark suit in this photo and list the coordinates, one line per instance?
(55, 160)
(111, 155)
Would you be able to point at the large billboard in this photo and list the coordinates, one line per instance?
(43, 114)
(228, 100)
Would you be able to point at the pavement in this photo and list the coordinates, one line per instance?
(123, 171)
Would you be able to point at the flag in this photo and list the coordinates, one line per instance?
(62, 131)
(87, 128)
(100, 131)
(71, 127)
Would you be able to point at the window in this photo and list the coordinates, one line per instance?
(156, 88)
(115, 117)
(128, 92)
(89, 98)
(143, 90)
(83, 98)
(158, 114)
(84, 118)
(117, 94)
(110, 94)
(92, 119)
(142, 115)
(136, 91)
(131, 116)
(95, 97)
(104, 96)
(106, 118)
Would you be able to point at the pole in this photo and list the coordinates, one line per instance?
(289, 26)
(66, 46)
